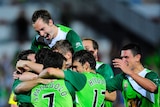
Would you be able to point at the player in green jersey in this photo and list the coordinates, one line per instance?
(65, 48)
(29, 55)
(104, 69)
(49, 33)
(139, 85)
(23, 99)
(57, 93)
(23, 93)
(89, 86)
(58, 89)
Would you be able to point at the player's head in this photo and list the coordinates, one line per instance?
(26, 55)
(133, 47)
(131, 54)
(65, 48)
(41, 14)
(54, 59)
(41, 54)
(83, 61)
(91, 45)
(43, 24)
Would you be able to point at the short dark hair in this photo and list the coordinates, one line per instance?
(134, 47)
(24, 54)
(41, 54)
(55, 59)
(64, 46)
(95, 44)
(84, 56)
(43, 14)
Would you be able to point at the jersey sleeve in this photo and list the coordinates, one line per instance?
(115, 83)
(38, 42)
(75, 41)
(34, 47)
(78, 80)
(153, 77)
(21, 97)
(106, 71)
(15, 83)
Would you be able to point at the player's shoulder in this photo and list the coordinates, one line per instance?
(63, 28)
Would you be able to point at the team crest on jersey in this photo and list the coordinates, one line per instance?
(78, 44)
(125, 85)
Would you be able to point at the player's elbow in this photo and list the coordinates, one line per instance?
(18, 89)
(110, 96)
(153, 89)
(50, 71)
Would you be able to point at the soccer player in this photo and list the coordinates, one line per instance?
(104, 69)
(89, 86)
(49, 33)
(23, 100)
(65, 48)
(138, 84)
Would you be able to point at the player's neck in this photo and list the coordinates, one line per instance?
(55, 31)
(138, 68)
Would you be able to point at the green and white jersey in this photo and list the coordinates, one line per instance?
(90, 88)
(54, 94)
(64, 33)
(133, 94)
(106, 71)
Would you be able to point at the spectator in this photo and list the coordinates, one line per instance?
(22, 27)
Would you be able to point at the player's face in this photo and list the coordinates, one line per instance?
(77, 66)
(31, 57)
(44, 29)
(88, 45)
(67, 55)
(64, 65)
(128, 57)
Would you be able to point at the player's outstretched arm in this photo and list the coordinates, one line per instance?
(52, 73)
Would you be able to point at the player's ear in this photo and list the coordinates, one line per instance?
(68, 55)
(138, 57)
(86, 66)
(50, 22)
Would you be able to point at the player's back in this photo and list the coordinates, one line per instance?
(54, 94)
(93, 93)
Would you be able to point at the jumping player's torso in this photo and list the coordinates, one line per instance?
(64, 33)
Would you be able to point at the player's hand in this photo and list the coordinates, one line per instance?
(21, 66)
(16, 74)
(122, 64)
